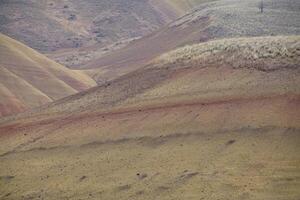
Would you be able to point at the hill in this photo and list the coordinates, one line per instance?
(71, 24)
(215, 20)
(29, 79)
(74, 32)
(216, 120)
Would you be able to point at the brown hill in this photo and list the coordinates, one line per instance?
(217, 120)
(219, 19)
(29, 79)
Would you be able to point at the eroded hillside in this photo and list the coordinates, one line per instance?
(29, 79)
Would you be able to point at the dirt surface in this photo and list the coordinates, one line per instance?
(175, 129)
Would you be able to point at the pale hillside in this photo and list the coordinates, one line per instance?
(29, 79)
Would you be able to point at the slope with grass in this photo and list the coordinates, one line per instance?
(29, 79)
(217, 120)
(214, 20)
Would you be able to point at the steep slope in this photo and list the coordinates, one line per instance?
(217, 120)
(219, 19)
(29, 79)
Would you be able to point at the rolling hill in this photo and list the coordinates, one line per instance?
(214, 20)
(215, 120)
(29, 79)
(207, 107)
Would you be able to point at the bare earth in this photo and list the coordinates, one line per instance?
(216, 120)
(29, 79)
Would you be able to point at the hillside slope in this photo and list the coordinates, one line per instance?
(29, 79)
(74, 32)
(215, 20)
(217, 120)
(52, 25)
(262, 54)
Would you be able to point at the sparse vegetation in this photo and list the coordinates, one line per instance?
(217, 118)
(279, 51)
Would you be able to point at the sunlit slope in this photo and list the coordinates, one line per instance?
(32, 79)
(214, 20)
